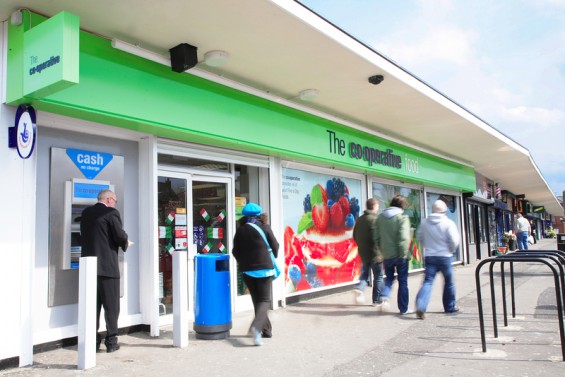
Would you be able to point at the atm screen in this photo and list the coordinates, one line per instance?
(75, 240)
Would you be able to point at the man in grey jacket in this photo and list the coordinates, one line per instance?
(439, 237)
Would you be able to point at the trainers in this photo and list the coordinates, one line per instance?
(408, 311)
(420, 314)
(385, 306)
(454, 311)
(359, 296)
(256, 334)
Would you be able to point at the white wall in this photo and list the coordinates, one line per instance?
(17, 220)
(11, 234)
(57, 322)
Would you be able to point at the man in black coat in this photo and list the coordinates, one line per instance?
(369, 253)
(102, 234)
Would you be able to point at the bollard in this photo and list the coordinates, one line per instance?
(180, 299)
(87, 313)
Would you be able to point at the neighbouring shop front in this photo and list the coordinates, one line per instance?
(184, 159)
(480, 219)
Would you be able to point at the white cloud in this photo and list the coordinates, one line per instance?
(541, 117)
(544, 4)
(447, 45)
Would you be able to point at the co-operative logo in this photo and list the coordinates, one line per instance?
(37, 68)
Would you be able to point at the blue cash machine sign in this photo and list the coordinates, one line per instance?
(89, 163)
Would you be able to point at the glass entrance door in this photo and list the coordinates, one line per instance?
(210, 215)
(192, 216)
(173, 225)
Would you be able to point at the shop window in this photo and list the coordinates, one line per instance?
(452, 213)
(171, 219)
(384, 193)
(493, 235)
(319, 212)
(482, 224)
(251, 185)
(193, 163)
(471, 223)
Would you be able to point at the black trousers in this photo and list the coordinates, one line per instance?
(260, 291)
(108, 296)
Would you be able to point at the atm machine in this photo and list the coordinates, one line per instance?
(76, 178)
(79, 194)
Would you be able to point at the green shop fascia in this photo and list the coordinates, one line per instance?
(57, 68)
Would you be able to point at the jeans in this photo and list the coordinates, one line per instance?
(433, 266)
(400, 265)
(377, 269)
(522, 238)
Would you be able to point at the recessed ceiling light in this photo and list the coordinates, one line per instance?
(308, 94)
(216, 58)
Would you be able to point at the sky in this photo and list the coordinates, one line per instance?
(502, 60)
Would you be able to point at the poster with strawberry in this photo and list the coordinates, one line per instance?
(320, 212)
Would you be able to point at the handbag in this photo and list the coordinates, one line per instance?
(277, 271)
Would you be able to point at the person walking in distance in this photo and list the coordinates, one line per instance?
(102, 234)
(534, 233)
(523, 230)
(369, 253)
(439, 237)
(251, 243)
(392, 237)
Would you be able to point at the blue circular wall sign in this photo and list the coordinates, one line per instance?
(25, 130)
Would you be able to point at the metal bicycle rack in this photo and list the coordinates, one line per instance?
(550, 258)
(552, 254)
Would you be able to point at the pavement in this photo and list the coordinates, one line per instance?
(333, 336)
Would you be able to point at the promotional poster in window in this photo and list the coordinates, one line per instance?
(319, 214)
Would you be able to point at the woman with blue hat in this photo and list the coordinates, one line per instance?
(252, 245)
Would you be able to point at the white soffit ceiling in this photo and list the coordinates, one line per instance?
(280, 47)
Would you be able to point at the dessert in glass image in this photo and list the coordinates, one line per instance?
(322, 252)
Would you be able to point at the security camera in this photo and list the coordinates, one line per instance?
(376, 79)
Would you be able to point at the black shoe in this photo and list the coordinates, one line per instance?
(112, 348)
(265, 334)
(454, 311)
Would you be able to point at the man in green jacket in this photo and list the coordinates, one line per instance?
(369, 253)
(392, 237)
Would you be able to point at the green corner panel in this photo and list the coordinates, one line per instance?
(51, 56)
(124, 90)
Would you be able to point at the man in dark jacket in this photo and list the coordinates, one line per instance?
(101, 236)
(369, 253)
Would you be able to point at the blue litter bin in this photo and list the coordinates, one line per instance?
(212, 306)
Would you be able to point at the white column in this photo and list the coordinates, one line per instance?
(180, 299)
(277, 225)
(87, 313)
(28, 207)
(148, 237)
